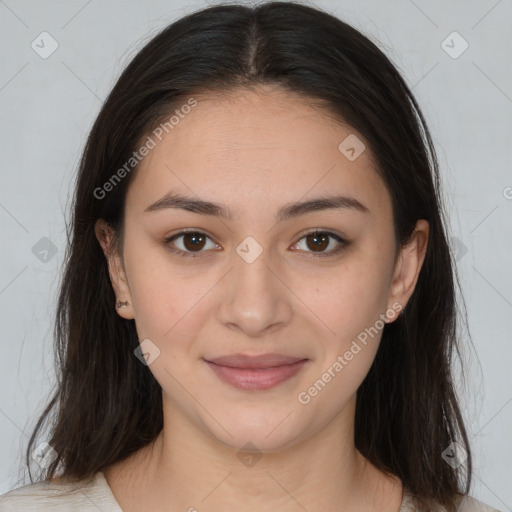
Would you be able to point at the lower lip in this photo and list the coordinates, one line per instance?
(256, 379)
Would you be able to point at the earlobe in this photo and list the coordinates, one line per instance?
(104, 235)
(409, 264)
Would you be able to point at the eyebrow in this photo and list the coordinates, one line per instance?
(288, 211)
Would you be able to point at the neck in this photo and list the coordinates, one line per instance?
(187, 469)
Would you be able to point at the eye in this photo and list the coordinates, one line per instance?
(193, 242)
(318, 241)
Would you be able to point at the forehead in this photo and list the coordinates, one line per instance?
(239, 147)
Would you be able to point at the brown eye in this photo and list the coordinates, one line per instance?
(192, 243)
(318, 241)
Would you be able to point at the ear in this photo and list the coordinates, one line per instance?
(104, 234)
(408, 266)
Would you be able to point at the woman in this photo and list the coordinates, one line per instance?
(258, 308)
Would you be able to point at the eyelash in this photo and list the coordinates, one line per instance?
(332, 252)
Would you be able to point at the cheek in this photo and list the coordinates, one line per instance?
(163, 300)
(351, 305)
(352, 297)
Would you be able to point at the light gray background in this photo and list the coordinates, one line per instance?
(48, 106)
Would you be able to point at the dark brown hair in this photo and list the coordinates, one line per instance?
(107, 404)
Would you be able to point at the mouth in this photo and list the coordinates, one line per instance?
(253, 373)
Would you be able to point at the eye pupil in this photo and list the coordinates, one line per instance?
(197, 241)
(316, 237)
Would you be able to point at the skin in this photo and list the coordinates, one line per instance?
(254, 152)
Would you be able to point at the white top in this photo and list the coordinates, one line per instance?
(95, 494)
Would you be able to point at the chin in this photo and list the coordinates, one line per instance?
(266, 431)
(258, 442)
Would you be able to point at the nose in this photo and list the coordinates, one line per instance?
(255, 298)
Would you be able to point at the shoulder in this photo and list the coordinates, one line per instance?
(56, 495)
(469, 504)
(465, 504)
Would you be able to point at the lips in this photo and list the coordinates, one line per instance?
(252, 373)
(243, 361)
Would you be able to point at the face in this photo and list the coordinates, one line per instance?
(257, 274)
